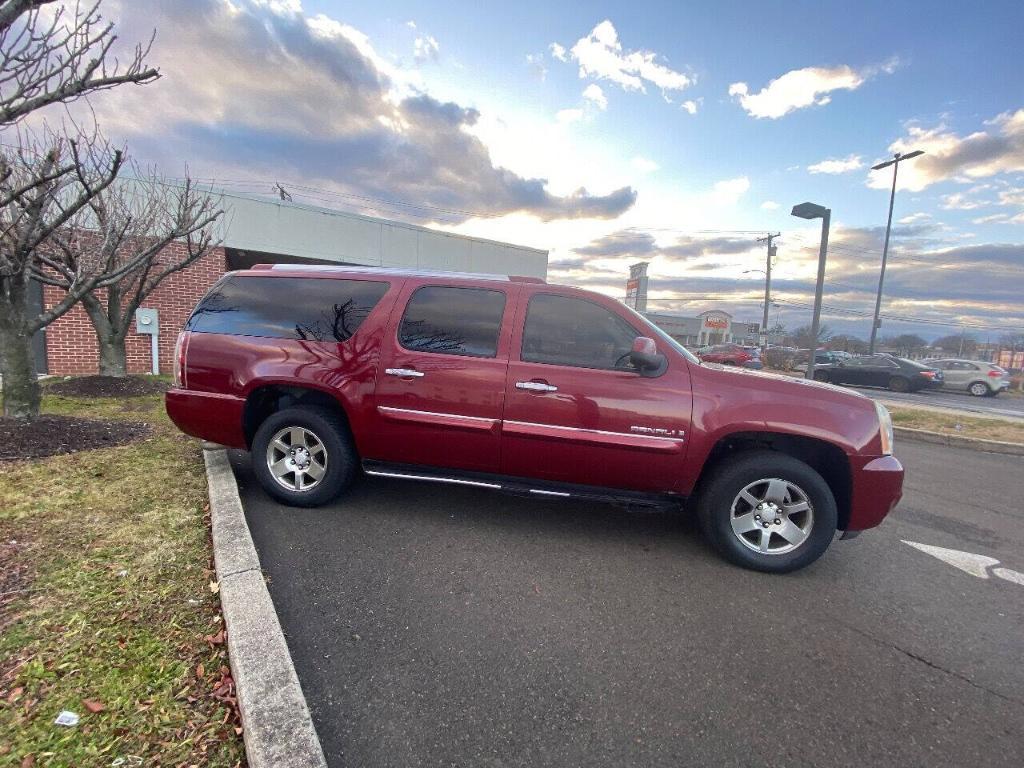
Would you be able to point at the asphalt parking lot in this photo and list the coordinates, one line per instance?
(441, 626)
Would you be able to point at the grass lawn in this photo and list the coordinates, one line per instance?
(108, 608)
(955, 424)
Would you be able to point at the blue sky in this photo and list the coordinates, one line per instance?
(675, 118)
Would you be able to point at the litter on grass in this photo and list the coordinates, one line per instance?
(66, 718)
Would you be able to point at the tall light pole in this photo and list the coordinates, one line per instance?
(895, 163)
(815, 211)
(767, 285)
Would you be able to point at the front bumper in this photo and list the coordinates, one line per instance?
(877, 488)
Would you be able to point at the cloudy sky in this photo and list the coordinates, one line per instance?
(614, 132)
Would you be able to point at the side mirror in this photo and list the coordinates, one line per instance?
(645, 357)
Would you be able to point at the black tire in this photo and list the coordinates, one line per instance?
(899, 384)
(717, 493)
(979, 389)
(821, 376)
(341, 457)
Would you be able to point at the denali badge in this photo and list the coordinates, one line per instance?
(657, 431)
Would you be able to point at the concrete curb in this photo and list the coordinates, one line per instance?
(957, 441)
(279, 731)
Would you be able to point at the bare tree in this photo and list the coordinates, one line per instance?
(803, 339)
(129, 228)
(49, 57)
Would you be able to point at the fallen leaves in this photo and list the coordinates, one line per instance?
(93, 705)
(215, 587)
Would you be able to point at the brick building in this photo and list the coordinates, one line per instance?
(255, 231)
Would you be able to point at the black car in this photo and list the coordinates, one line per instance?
(895, 373)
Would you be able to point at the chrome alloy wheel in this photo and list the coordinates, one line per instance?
(296, 458)
(772, 516)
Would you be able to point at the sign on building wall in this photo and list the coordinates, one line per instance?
(716, 322)
(636, 287)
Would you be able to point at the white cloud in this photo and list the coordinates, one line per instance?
(566, 116)
(558, 52)
(961, 202)
(915, 218)
(837, 165)
(769, 205)
(1000, 218)
(410, 24)
(644, 165)
(601, 56)
(595, 96)
(998, 149)
(690, 106)
(800, 88)
(425, 47)
(1012, 196)
(729, 191)
(535, 62)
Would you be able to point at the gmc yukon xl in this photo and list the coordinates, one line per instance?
(516, 385)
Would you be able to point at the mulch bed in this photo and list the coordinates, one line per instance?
(53, 435)
(106, 386)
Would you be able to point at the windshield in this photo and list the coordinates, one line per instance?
(664, 336)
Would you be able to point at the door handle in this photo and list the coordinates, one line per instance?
(404, 372)
(536, 386)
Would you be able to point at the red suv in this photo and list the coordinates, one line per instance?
(517, 385)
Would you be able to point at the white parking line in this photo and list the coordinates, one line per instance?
(976, 565)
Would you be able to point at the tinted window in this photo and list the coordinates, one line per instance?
(287, 307)
(455, 321)
(566, 331)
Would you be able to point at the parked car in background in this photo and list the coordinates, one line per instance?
(895, 373)
(823, 357)
(516, 385)
(978, 378)
(732, 354)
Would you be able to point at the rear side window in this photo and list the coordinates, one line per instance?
(453, 321)
(561, 330)
(287, 307)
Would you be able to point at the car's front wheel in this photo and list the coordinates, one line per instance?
(767, 511)
(303, 456)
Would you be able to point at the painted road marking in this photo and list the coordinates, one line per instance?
(976, 565)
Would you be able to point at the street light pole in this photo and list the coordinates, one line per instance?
(895, 163)
(814, 211)
(767, 285)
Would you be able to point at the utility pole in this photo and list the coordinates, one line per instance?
(895, 163)
(767, 285)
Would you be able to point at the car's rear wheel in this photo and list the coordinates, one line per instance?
(303, 456)
(899, 384)
(767, 511)
(979, 389)
(820, 376)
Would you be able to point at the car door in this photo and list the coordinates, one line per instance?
(441, 383)
(958, 374)
(878, 371)
(846, 372)
(577, 412)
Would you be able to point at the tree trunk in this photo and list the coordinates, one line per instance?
(17, 360)
(113, 357)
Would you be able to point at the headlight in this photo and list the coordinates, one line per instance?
(884, 428)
